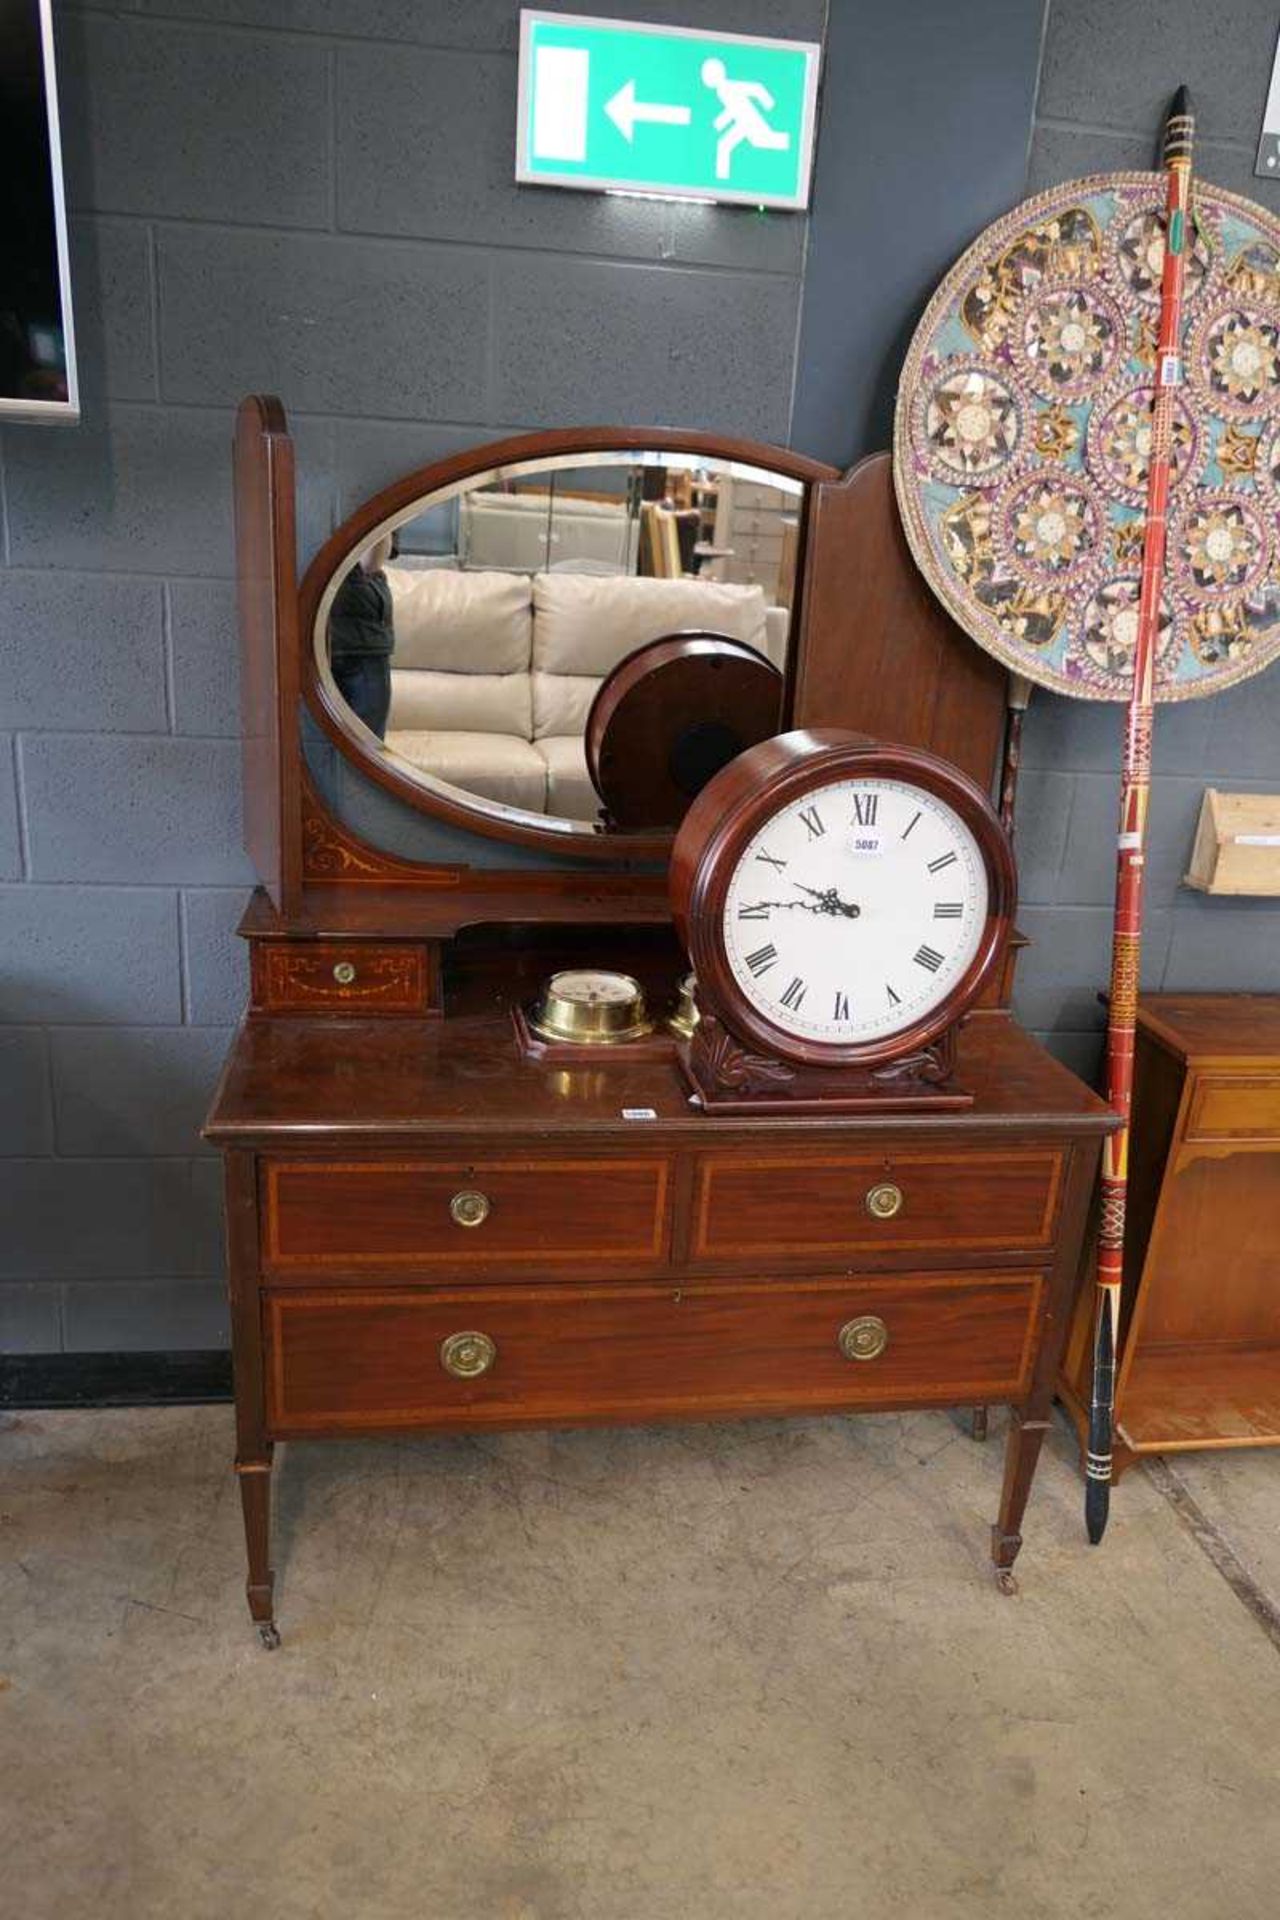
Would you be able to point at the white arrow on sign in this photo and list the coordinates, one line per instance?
(625, 110)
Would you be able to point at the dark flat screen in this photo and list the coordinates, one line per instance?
(35, 369)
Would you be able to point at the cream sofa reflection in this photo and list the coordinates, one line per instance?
(525, 532)
(494, 673)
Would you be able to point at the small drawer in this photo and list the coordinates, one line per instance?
(788, 1207)
(507, 1356)
(367, 1215)
(361, 977)
(1234, 1107)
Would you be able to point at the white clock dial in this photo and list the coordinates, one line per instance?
(855, 911)
(594, 986)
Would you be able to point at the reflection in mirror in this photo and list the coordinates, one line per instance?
(473, 635)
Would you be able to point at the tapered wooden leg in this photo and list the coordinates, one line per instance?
(253, 1448)
(1029, 1422)
(1022, 1450)
(255, 1499)
(978, 1427)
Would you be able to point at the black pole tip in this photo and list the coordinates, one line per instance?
(1097, 1506)
(1179, 130)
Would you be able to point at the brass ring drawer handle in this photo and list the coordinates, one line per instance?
(864, 1338)
(469, 1209)
(467, 1355)
(884, 1201)
(344, 973)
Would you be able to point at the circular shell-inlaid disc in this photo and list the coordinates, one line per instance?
(1023, 439)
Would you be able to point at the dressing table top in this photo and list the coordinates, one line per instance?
(426, 1079)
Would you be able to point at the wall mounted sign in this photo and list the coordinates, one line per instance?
(607, 105)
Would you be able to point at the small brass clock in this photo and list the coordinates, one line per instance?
(590, 1007)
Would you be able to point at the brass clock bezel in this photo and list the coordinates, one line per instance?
(559, 1019)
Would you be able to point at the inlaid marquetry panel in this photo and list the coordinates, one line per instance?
(313, 976)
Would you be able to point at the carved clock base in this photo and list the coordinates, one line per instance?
(727, 1078)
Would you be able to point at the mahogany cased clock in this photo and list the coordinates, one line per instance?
(843, 903)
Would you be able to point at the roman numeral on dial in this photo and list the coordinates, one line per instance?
(893, 998)
(842, 1007)
(948, 909)
(794, 995)
(865, 808)
(926, 957)
(762, 959)
(779, 866)
(911, 823)
(943, 860)
(813, 821)
(760, 912)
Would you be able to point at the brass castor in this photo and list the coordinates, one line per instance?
(269, 1634)
(1007, 1580)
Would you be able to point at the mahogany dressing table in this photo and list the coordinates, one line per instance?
(430, 1227)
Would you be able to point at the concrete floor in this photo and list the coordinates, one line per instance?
(754, 1671)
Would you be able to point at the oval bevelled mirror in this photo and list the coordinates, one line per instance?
(462, 632)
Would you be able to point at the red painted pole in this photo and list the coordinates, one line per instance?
(1135, 791)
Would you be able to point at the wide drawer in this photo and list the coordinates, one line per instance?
(393, 978)
(338, 1359)
(1234, 1107)
(781, 1207)
(374, 1215)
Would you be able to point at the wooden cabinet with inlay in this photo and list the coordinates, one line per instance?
(1199, 1363)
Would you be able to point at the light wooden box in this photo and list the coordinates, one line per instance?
(1237, 845)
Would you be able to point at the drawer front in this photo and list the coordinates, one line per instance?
(758, 521)
(787, 1207)
(758, 493)
(1234, 1107)
(759, 546)
(339, 1360)
(435, 1214)
(360, 977)
(750, 569)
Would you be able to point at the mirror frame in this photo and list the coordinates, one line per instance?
(452, 804)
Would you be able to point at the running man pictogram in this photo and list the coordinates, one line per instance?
(740, 117)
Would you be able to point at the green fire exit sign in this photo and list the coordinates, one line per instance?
(608, 105)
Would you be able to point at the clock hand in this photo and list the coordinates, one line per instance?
(803, 905)
(830, 901)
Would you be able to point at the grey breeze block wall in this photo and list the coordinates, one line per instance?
(311, 197)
